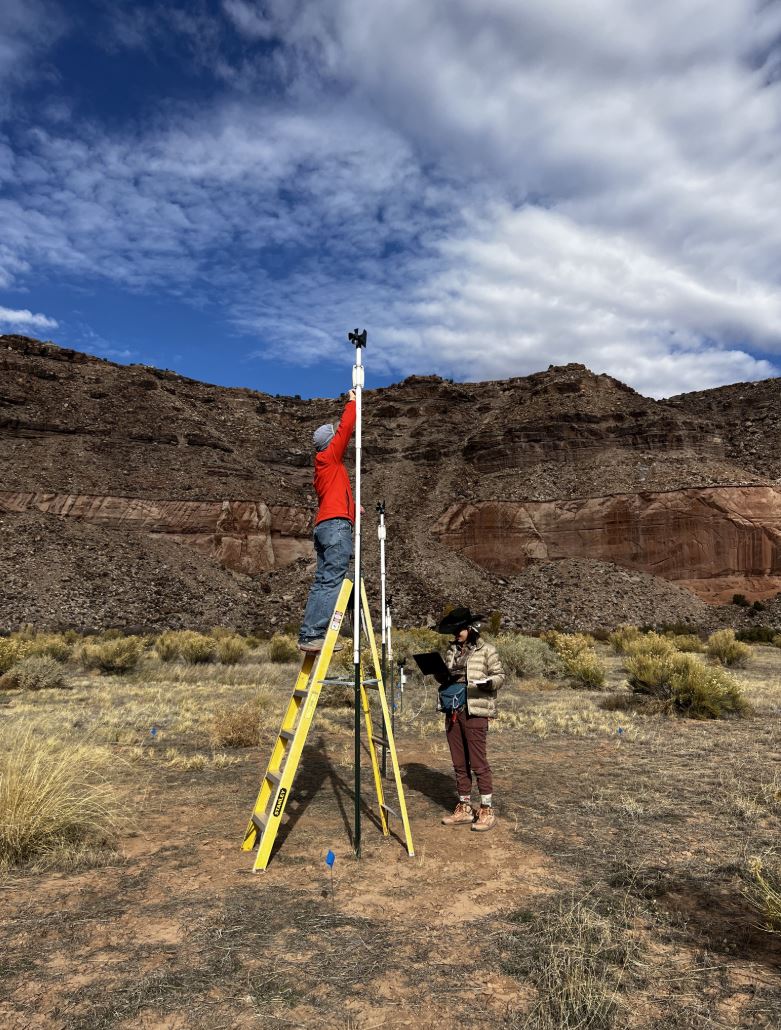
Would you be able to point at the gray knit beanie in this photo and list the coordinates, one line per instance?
(322, 436)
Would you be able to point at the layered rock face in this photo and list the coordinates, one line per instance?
(245, 536)
(546, 496)
(715, 542)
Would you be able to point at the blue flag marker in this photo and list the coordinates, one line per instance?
(153, 731)
(330, 858)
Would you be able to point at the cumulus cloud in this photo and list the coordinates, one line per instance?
(24, 319)
(489, 188)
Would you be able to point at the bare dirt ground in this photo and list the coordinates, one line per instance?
(614, 874)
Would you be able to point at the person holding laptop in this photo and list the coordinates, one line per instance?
(468, 698)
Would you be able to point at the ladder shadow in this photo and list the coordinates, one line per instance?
(316, 770)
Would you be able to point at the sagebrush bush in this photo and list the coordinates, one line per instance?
(282, 648)
(53, 645)
(52, 799)
(238, 725)
(763, 890)
(581, 661)
(167, 646)
(38, 672)
(231, 649)
(621, 636)
(196, 648)
(12, 650)
(683, 684)
(528, 657)
(650, 644)
(725, 649)
(688, 642)
(115, 655)
(417, 640)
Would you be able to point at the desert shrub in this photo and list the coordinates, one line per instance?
(493, 623)
(282, 648)
(116, 655)
(38, 672)
(167, 646)
(763, 890)
(337, 695)
(688, 642)
(776, 641)
(220, 632)
(51, 800)
(52, 645)
(725, 649)
(253, 642)
(528, 656)
(757, 634)
(12, 650)
(231, 649)
(196, 648)
(111, 634)
(416, 640)
(740, 600)
(651, 644)
(237, 725)
(621, 636)
(581, 661)
(758, 606)
(683, 684)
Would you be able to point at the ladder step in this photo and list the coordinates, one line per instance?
(286, 734)
(259, 821)
(350, 683)
(390, 811)
(300, 693)
(382, 742)
(275, 777)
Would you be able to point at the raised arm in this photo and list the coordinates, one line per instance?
(344, 431)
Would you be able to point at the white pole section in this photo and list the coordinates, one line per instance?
(358, 387)
(381, 536)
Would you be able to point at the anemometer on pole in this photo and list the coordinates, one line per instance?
(359, 339)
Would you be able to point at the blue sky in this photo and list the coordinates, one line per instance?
(225, 187)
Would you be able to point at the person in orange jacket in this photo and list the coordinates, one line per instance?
(333, 533)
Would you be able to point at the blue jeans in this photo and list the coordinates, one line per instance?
(334, 548)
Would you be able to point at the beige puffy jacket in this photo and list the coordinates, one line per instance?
(483, 663)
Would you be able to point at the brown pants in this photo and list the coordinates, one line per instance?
(467, 738)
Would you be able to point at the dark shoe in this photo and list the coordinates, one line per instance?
(485, 820)
(315, 646)
(464, 815)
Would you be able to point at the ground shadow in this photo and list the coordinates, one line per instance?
(435, 785)
(315, 772)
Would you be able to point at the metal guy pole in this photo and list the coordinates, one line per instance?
(359, 339)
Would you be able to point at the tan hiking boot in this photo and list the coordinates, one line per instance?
(485, 819)
(315, 646)
(464, 815)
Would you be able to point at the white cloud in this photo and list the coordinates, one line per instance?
(24, 319)
(490, 188)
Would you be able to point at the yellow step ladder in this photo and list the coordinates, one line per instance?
(278, 780)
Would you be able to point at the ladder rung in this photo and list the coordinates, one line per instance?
(259, 821)
(286, 734)
(275, 777)
(300, 693)
(390, 811)
(381, 741)
(350, 683)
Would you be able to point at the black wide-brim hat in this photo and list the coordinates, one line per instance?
(458, 618)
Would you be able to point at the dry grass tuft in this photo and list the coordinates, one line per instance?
(196, 648)
(239, 725)
(13, 650)
(763, 890)
(115, 655)
(52, 799)
(621, 636)
(725, 649)
(38, 672)
(231, 649)
(576, 958)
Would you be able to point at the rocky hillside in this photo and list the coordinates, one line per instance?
(132, 495)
